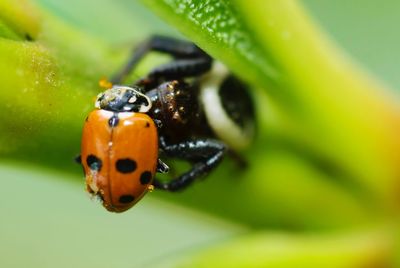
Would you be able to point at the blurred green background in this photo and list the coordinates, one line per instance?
(49, 221)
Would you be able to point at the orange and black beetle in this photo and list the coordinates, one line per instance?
(191, 108)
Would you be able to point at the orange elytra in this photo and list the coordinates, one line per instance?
(119, 156)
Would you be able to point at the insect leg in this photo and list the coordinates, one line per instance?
(205, 154)
(177, 48)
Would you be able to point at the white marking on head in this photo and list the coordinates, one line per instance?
(118, 91)
(132, 100)
(143, 108)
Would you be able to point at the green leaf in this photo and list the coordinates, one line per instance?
(217, 28)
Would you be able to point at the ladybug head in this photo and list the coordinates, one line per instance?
(123, 99)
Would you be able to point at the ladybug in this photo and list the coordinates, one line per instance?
(110, 150)
(190, 108)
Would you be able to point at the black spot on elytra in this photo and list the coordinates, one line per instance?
(147, 124)
(87, 118)
(93, 162)
(126, 165)
(125, 199)
(113, 121)
(145, 178)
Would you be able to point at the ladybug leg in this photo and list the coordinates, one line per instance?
(205, 154)
(177, 48)
(162, 167)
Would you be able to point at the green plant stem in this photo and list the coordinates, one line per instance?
(349, 117)
(48, 86)
(281, 250)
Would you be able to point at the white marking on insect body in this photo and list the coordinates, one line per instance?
(224, 127)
